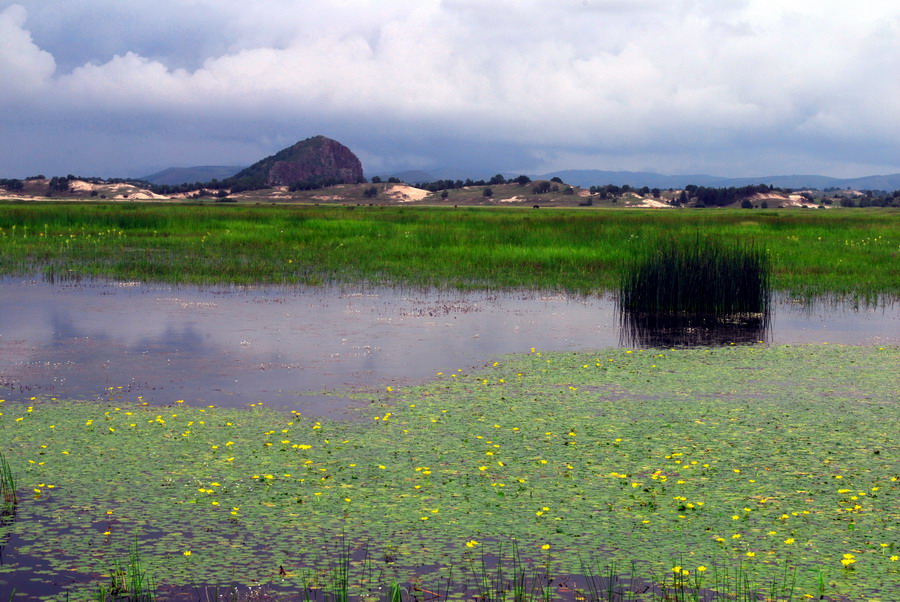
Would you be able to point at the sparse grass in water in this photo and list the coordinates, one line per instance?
(7, 483)
(129, 582)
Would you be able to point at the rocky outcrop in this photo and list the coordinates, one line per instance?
(314, 161)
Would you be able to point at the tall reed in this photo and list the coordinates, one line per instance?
(699, 276)
(128, 582)
(7, 483)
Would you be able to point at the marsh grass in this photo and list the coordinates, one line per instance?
(699, 277)
(850, 254)
(129, 581)
(696, 292)
(7, 483)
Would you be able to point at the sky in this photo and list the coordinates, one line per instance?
(734, 88)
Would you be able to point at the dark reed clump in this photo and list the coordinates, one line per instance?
(7, 483)
(700, 277)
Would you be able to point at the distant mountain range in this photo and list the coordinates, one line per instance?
(174, 176)
(577, 177)
(595, 177)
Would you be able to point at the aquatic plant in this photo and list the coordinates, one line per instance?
(699, 276)
(129, 581)
(693, 457)
(7, 483)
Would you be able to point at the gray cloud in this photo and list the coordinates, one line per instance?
(732, 87)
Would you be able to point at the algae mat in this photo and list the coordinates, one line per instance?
(774, 459)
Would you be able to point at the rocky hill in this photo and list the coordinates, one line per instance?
(315, 161)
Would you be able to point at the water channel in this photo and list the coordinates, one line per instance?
(286, 347)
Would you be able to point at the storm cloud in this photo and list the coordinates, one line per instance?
(730, 87)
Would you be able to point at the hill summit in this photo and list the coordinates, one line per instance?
(316, 161)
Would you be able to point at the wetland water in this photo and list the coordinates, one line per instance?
(289, 347)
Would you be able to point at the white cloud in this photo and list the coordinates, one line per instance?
(25, 69)
(589, 77)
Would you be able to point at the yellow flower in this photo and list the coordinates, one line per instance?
(736, 536)
(546, 546)
(701, 569)
(471, 543)
(789, 540)
(187, 552)
(751, 554)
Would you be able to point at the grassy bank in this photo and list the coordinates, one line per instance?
(775, 463)
(812, 252)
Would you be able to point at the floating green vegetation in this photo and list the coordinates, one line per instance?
(752, 469)
(584, 251)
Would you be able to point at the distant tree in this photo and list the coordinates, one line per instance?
(370, 193)
(569, 190)
(376, 179)
(444, 194)
(487, 193)
(59, 184)
(746, 204)
(541, 187)
(523, 180)
(497, 180)
(556, 179)
(393, 180)
(656, 192)
(764, 204)
(645, 190)
(12, 184)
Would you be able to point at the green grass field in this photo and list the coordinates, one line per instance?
(774, 464)
(584, 251)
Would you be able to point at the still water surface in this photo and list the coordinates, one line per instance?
(286, 347)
